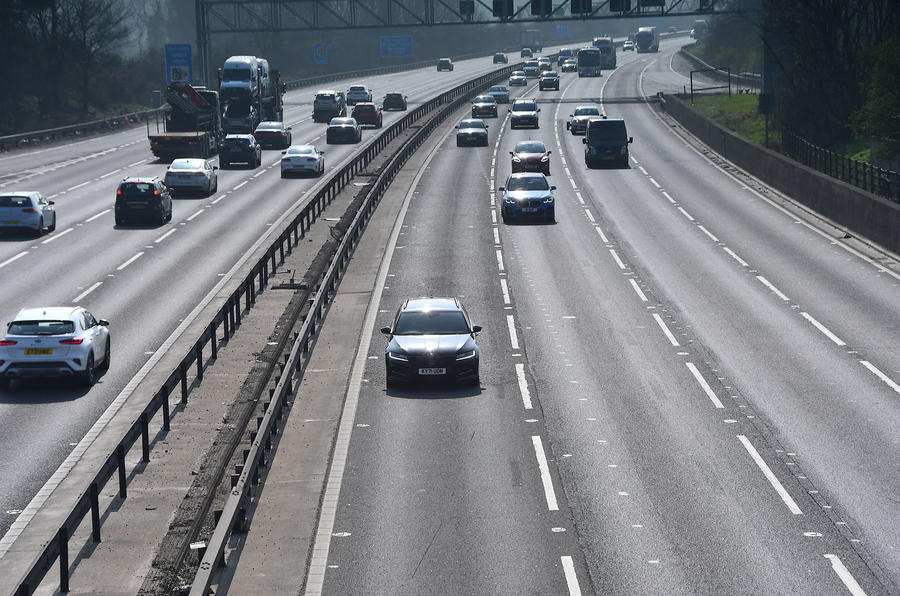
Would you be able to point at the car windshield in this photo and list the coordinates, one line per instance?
(524, 106)
(301, 150)
(356, 89)
(15, 202)
(325, 97)
(472, 124)
(587, 111)
(236, 74)
(137, 188)
(485, 99)
(41, 327)
(499, 88)
(531, 63)
(186, 164)
(518, 73)
(604, 131)
(530, 147)
(269, 126)
(237, 141)
(527, 183)
(434, 322)
(341, 121)
(550, 74)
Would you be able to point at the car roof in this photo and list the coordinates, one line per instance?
(531, 142)
(19, 193)
(47, 313)
(471, 121)
(524, 100)
(527, 175)
(194, 161)
(550, 73)
(604, 119)
(487, 96)
(270, 124)
(394, 93)
(364, 104)
(425, 304)
(238, 136)
(135, 179)
(342, 120)
(304, 147)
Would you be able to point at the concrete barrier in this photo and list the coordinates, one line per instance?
(862, 213)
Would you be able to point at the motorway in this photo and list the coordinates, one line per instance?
(685, 387)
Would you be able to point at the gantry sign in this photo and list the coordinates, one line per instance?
(237, 16)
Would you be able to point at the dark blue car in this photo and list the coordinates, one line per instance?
(528, 195)
(240, 149)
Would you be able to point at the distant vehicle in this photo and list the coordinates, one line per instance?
(500, 58)
(589, 62)
(606, 140)
(302, 159)
(367, 113)
(27, 210)
(431, 339)
(528, 195)
(570, 65)
(699, 30)
(329, 104)
(358, 93)
(273, 134)
(530, 156)
(544, 64)
(445, 64)
(526, 53)
(531, 38)
(240, 149)
(607, 50)
(484, 105)
(563, 55)
(54, 341)
(500, 93)
(472, 131)
(549, 80)
(578, 120)
(248, 86)
(145, 199)
(524, 112)
(192, 173)
(518, 79)
(394, 101)
(343, 130)
(532, 69)
(192, 126)
(646, 40)
(628, 46)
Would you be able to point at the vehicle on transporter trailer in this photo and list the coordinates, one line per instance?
(646, 40)
(589, 62)
(607, 50)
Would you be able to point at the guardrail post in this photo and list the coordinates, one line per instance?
(62, 539)
(145, 438)
(198, 351)
(94, 496)
(182, 368)
(212, 339)
(237, 309)
(164, 395)
(120, 458)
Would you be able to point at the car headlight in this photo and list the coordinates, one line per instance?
(545, 158)
(398, 356)
(548, 199)
(465, 355)
(516, 158)
(509, 201)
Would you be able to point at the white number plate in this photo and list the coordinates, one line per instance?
(432, 371)
(529, 209)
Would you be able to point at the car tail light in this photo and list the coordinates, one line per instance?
(155, 192)
(119, 192)
(29, 211)
(7, 342)
(72, 342)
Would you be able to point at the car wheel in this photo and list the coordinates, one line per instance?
(107, 357)
(40, 229)
(87, 377)
(458, 143)
(283, 175)
(169, 216)
(162, 215)
(119, 220)
(52, 227)
(476, 381)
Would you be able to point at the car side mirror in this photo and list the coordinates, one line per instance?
(386, 330)
(571, 115)
(321, 153)
(549, 152)
(539, 109)
(584, 141)
(488, 126)
(103, 322)
(511, 153)
(457, 126)
(288, 128)
(630, 139)
(476, 328)
(502, 189)
(51, 202)
(215, 167)
(284, 152)
(552, 188)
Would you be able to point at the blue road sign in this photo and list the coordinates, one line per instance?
(396, 46)
(320, 54)
(179, 65)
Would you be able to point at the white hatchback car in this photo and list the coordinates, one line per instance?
(27, 210)
(302, 159)
(191, 173)
(58, 341)
(357, 94)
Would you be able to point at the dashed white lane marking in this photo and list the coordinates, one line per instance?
(523, 385)
(874, 370)
(638, 290)
(568, 172)
(500, 260)
(590, 216)
(775, 290)
(571, 578)
(641, 168)
(825, 330)
(704, 385)
(241, 184)
(137, 163)
(669, 197)
(665, 329)
(655, 183)
(686, 214)
(81, 296)
(616, 258)
(546, 480)
(602, 235)
(15, 258)
(513, 337)
(504, 287)
(734, 256)
(845, 576)
(57, 236)
(77, 186)
(130, 261)
(195, 215)
(258, 174)
(579, 197)
(219, 199)
(708, 233)
(496, 235)
(110, 173)
(166, 235)
(770, 476)
(99, 215)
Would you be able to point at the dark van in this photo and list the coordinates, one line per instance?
(606, 141)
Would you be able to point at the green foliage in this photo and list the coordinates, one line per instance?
(879, 116)
(739, 114)
(733, 42)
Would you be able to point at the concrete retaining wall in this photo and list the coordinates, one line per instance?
(862, 213)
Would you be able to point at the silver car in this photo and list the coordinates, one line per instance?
(578, 120)
(500, 93)
(27, 210)
(191, 173)
(58, 341)
(302, 159)
(358, 93)
(517, 78)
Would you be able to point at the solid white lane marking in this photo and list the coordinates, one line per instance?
(240, 185)
(15, 258)
(775, 290)
(704, 385)
(57, 236)
(686, 214)
(827, 332)
(873, 369)
(571, 578)
(130, 261)
(166, 235)
(81, 296)
(78, 186)
(665, 328)
(708, 233)
(637, 289)
(504, 287)
(110, 173)
(500, 260)
(194, 215)
(523, 385)
(101, 214)
(590, 216)
(513, 337)
(616, 258)
(770, 476)
(546, 480)
(602, 235)
(734, 256)
(844, 574)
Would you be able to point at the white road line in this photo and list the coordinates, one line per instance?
(686, 214)
(568, 173)
(549, 493)
(194, 215)
(770, 476)
(57, 236)
(665, 194)
(513, 337)
(110, 173)
(844, 574)
(500, 260)
(769, 285)
(665, 328)
(166, 235)
(638, 290)
(81, 296)
(823, 329)
(493, 214)
(706, 388)
(11, 259)
(130, 261)
(137, 163)
(708, 233)
(571, 578)
(496, 235)
(504, 287)
(590, 216)
(641, 168)
(523, 385)
(602, 235)
(101, 214)
(874, 370)
(222, 196)
(258, 174)
(616, 258)
(240, 185)
(580, 198)
(734, 256)
(655, 183)
(78, 186)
